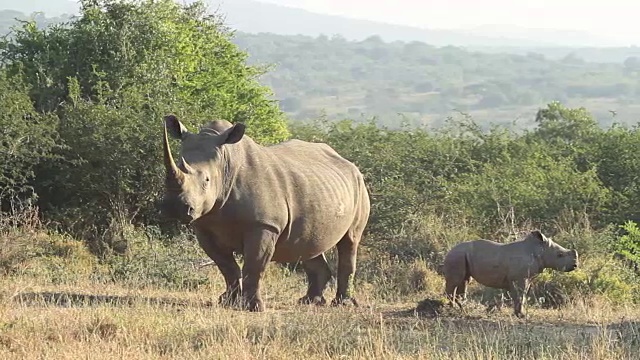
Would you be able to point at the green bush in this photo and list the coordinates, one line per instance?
(27, 138)
(596, 277)
(629, 244)
(109, 76)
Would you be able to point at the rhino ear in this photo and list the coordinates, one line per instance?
(175, 127)
(538, 235)
(235, 133)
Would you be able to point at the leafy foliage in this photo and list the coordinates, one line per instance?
(82, 103)
(151, 52)
(109, 76)
(629, 243)
(27, 138)
(495, 181)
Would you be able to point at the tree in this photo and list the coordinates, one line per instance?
(27, 139)
(631, 64)
(149, 52)
(109, 76)
(559, 124)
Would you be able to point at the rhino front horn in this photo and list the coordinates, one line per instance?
(175, 176)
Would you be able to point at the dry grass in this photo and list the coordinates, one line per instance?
(162, 329)
(111, 319)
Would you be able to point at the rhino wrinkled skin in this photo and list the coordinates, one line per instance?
(288, 202)
(508, 266)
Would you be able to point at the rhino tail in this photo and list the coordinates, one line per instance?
(467, 268)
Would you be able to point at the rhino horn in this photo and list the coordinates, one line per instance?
(175, 176)
(187, 168)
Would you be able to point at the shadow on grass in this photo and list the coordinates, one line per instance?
(475, 315)
(65, 299)
(430, 309)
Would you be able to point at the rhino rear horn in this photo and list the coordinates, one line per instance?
(185, 165)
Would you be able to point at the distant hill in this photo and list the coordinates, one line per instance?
(256, 17)
(426, 83)
(342, 77)
(52, 8)
(253, 16)
(10, 18)
(591, 54)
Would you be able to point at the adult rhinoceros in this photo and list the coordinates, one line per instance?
(287, 202)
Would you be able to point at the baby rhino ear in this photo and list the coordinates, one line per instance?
(538, 235)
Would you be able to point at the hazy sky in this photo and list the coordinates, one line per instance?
(615, 20)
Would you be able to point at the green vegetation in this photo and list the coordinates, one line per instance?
(81, 169)
(99, 86)
(82, 123)
(425, 83)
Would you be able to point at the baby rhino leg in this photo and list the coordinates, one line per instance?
(457, 277)
(518, 290)
(457, 292)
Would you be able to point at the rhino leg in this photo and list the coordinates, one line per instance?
(347, 252)
(518, 291)
(456, 292)
(457, 277)
(259, 246)
(224, 260)
(318, 275)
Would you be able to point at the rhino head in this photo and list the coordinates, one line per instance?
(194, 185)
(554, 255)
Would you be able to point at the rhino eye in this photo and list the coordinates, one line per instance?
(560, 255)
(206, 179)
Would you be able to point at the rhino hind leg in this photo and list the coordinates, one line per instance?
(347, 252)
(456, 292)
(318, 276)
(457, 277)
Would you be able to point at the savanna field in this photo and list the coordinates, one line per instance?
(59, 301)
(88, 268)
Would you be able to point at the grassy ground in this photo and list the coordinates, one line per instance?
(115, 321)
(57, 301)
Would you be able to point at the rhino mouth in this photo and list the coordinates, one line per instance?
(571, 267)
(172, 208)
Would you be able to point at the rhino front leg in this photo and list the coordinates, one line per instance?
(318, 275)
(258, 251)
(224, 260)
(518, 291)
(347, 252)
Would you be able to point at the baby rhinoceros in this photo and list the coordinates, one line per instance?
(509, 266)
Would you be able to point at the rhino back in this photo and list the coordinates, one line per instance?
(487, 262)
(496, 265)
(306, 192)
